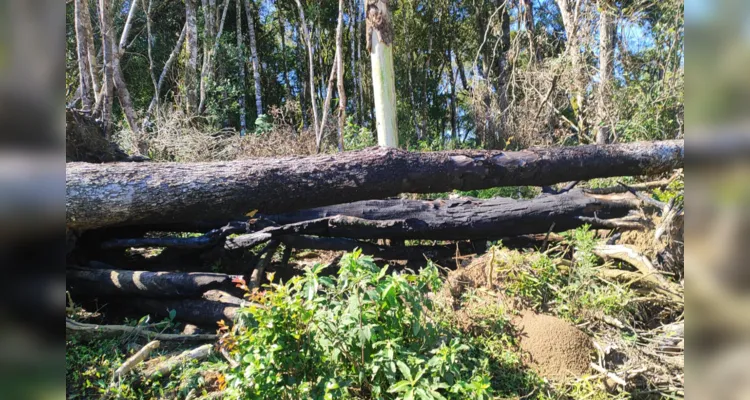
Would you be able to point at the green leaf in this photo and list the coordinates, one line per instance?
(399, 387)
(404, 370)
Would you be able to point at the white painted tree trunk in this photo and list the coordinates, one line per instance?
(380, 44)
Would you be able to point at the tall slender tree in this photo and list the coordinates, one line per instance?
(255, 59)
(340, 75)
(123, 94)
(84, 69)
(311, 63)
(241, 66)
(105, 25)
(607, 33)
(191, 50)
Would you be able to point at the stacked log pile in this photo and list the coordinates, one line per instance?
(234, 217)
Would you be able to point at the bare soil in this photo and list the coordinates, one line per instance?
(555, 348)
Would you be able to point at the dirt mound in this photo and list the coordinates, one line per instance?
(555, 348)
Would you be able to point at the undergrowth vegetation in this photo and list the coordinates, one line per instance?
(369, 332)
(363, 333)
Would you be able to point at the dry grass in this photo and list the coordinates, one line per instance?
(180, 138)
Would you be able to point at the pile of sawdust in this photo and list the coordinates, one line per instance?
(554, 348)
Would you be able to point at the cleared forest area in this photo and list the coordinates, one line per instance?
(423, 200)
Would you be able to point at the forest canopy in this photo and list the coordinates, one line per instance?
(482, 74)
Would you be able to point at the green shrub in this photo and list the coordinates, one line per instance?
(360, 334)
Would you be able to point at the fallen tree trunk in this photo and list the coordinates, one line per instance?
(125, 194)
(107, 282)
(447, 219)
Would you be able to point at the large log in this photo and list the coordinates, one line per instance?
(134, 194)
(448, 219)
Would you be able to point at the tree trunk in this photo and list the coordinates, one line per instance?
(123, 94)
(448, 219)
(282, 35)
(191, 49)
(607, 32)
(340, 75)
(84, 69)
(353, 20)
(380, 45)
(207, 70)
(108, 282)
(105, 22)
(311, 64)
(163, 76)
(124, 194)
(359, 73)
(241, 65)
(528, 19)
(326, 107)
(255, 60)
(454, 125)
(93, 63)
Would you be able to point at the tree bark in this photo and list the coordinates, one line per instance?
(255, 59)
(84, 69)
(124, 194)
(107, 282)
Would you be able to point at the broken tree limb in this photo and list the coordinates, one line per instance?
(165, 368)
(123, 194)
(136, 359)
(445, 219)
(640, 262)
(412, 253)
(641, 187)
(206, 241)
(108, 282)
(88, 332)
